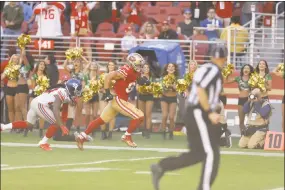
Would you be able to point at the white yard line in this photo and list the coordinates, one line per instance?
(281, 188)
(264, 154)
(4, 165)
(77, 164)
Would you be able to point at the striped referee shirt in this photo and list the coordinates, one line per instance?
(208, 77)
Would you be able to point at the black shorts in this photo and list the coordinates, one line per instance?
(95, 98)
(23, 88)
(145, 97)
(169, 100)
(10, 91)
(242, 101)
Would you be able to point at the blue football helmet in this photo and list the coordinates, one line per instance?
(73, 87)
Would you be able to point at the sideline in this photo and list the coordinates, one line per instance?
(264, 154)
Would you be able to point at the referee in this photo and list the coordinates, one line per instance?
(200, 118)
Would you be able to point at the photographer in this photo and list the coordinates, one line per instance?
(258, 111)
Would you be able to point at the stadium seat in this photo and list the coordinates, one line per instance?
(201, 49)
(164, 4)
(170, 11)
(102, 51)
(176, 19)
(123, 26)
(105, 27)
(183, 5)
(151, 11)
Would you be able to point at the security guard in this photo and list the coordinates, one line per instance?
(200, 118)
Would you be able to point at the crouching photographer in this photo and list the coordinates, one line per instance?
(258, 111)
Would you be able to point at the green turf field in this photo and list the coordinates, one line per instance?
(30, 168)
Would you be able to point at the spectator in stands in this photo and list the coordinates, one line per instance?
(167, 32)
(186, 27)
(148, 31)
(224, 11)
(49, 18)
(212, 24)
(13, 17)
(239, 37)
(80, 25)
(263, 70)
(199, 10)
(258, 111)
(134, 14)
(168, 100)
(128, 41)
(96, 16)
(28, 12)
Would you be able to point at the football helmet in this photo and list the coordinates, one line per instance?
(73, 87)
(136, 61)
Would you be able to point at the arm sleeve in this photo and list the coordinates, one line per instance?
(246, 107)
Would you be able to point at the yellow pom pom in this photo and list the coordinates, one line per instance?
(156, 89)
(228, 70)
(23, 40)
(188, 78)
(181, 86)
(168, 80)
(12, 71)
(73, 53)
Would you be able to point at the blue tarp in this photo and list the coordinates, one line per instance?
(166, 52)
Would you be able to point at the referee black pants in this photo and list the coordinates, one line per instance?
(203, 139)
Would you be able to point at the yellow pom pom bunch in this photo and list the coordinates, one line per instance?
(228, 70)
(42, 85)
(168, 80)
(73, 53)
(256, 81)
(12, 71)
(23, 40)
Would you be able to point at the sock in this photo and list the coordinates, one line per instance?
(51, 131)
(44, 140)
(5, 127)
(134, 123)
(19, 125)
(93, 125)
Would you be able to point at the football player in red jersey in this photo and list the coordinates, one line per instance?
(118, 99)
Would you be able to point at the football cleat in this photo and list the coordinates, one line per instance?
(128, 140)
(45, 147)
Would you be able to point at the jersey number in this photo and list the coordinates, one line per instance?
(49, 14)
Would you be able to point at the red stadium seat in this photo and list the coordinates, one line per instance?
(151, 11)
(105, 27)
(183, 5)
(170, 11)
(164, 4)
(101, 45)
(201, 49)
(176, 19)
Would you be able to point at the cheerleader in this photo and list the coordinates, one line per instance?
(91, 107)
(145, 103)
(22, 87)
(76, 71)
(281, 74)
(40, 70)
(11, 87)
(263, 71)
(111, 66)
(192, 67)
(169, 100)
(244, 90)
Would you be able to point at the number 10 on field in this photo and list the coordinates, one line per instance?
(274, 141)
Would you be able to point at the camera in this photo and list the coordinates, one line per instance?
(252, 97)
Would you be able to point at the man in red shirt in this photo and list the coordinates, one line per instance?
(224, 11)
(125, 79)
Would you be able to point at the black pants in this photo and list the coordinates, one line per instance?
(204, 147)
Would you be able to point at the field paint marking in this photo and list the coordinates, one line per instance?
(4, 165)
(76, 164)
(149, 173)
(264, 154)
(93, 169)
(281, 188)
